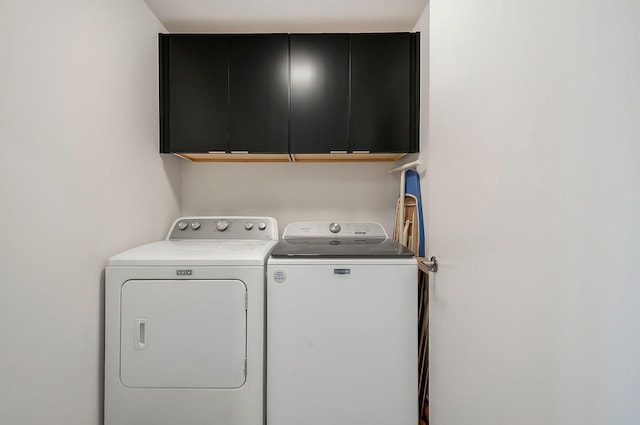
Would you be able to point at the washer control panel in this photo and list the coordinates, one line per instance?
(243, 228)
(334, 230)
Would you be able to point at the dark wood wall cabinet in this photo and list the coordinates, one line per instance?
(282, 97)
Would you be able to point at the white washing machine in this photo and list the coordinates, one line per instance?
(184, 325)
(341, 327)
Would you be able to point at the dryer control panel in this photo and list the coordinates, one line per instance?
(225, 227)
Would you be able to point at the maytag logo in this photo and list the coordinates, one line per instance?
(184, 272)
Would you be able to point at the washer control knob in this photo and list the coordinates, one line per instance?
(249, 225)
(182, 225)
(262, 225)
(334, 227)
(195, 225)
(222, 225)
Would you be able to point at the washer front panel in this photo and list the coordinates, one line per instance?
(342, 342)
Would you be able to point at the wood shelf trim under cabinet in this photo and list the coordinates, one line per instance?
(346, 157)
(283, 157)
(235, 157)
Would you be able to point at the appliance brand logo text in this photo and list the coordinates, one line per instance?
(184, 272)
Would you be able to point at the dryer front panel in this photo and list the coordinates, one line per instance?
(183, 334)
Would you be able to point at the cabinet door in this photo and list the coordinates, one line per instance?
(259, 93)
(194, 93)
(319, 93)
(381, 92)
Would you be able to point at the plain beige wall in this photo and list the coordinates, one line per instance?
(80, 180)
(293, 191)
(534, 207)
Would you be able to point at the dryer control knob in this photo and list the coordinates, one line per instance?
(182, 225)
(249, 225)
(195, 225)
(334, 227)
(262, 225)
(222, 225)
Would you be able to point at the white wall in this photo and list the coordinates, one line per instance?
(80, 179)
(534, 212)
(293, 191)
(422, 26)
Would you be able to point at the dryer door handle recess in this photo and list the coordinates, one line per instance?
(140, 334)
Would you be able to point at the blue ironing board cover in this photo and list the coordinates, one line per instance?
(412, 187)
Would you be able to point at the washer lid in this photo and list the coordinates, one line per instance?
(341, 248)
(338, 240)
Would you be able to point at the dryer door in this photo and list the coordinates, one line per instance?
(183, 334)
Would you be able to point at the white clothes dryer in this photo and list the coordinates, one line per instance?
(342, 327)
(184, 325)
